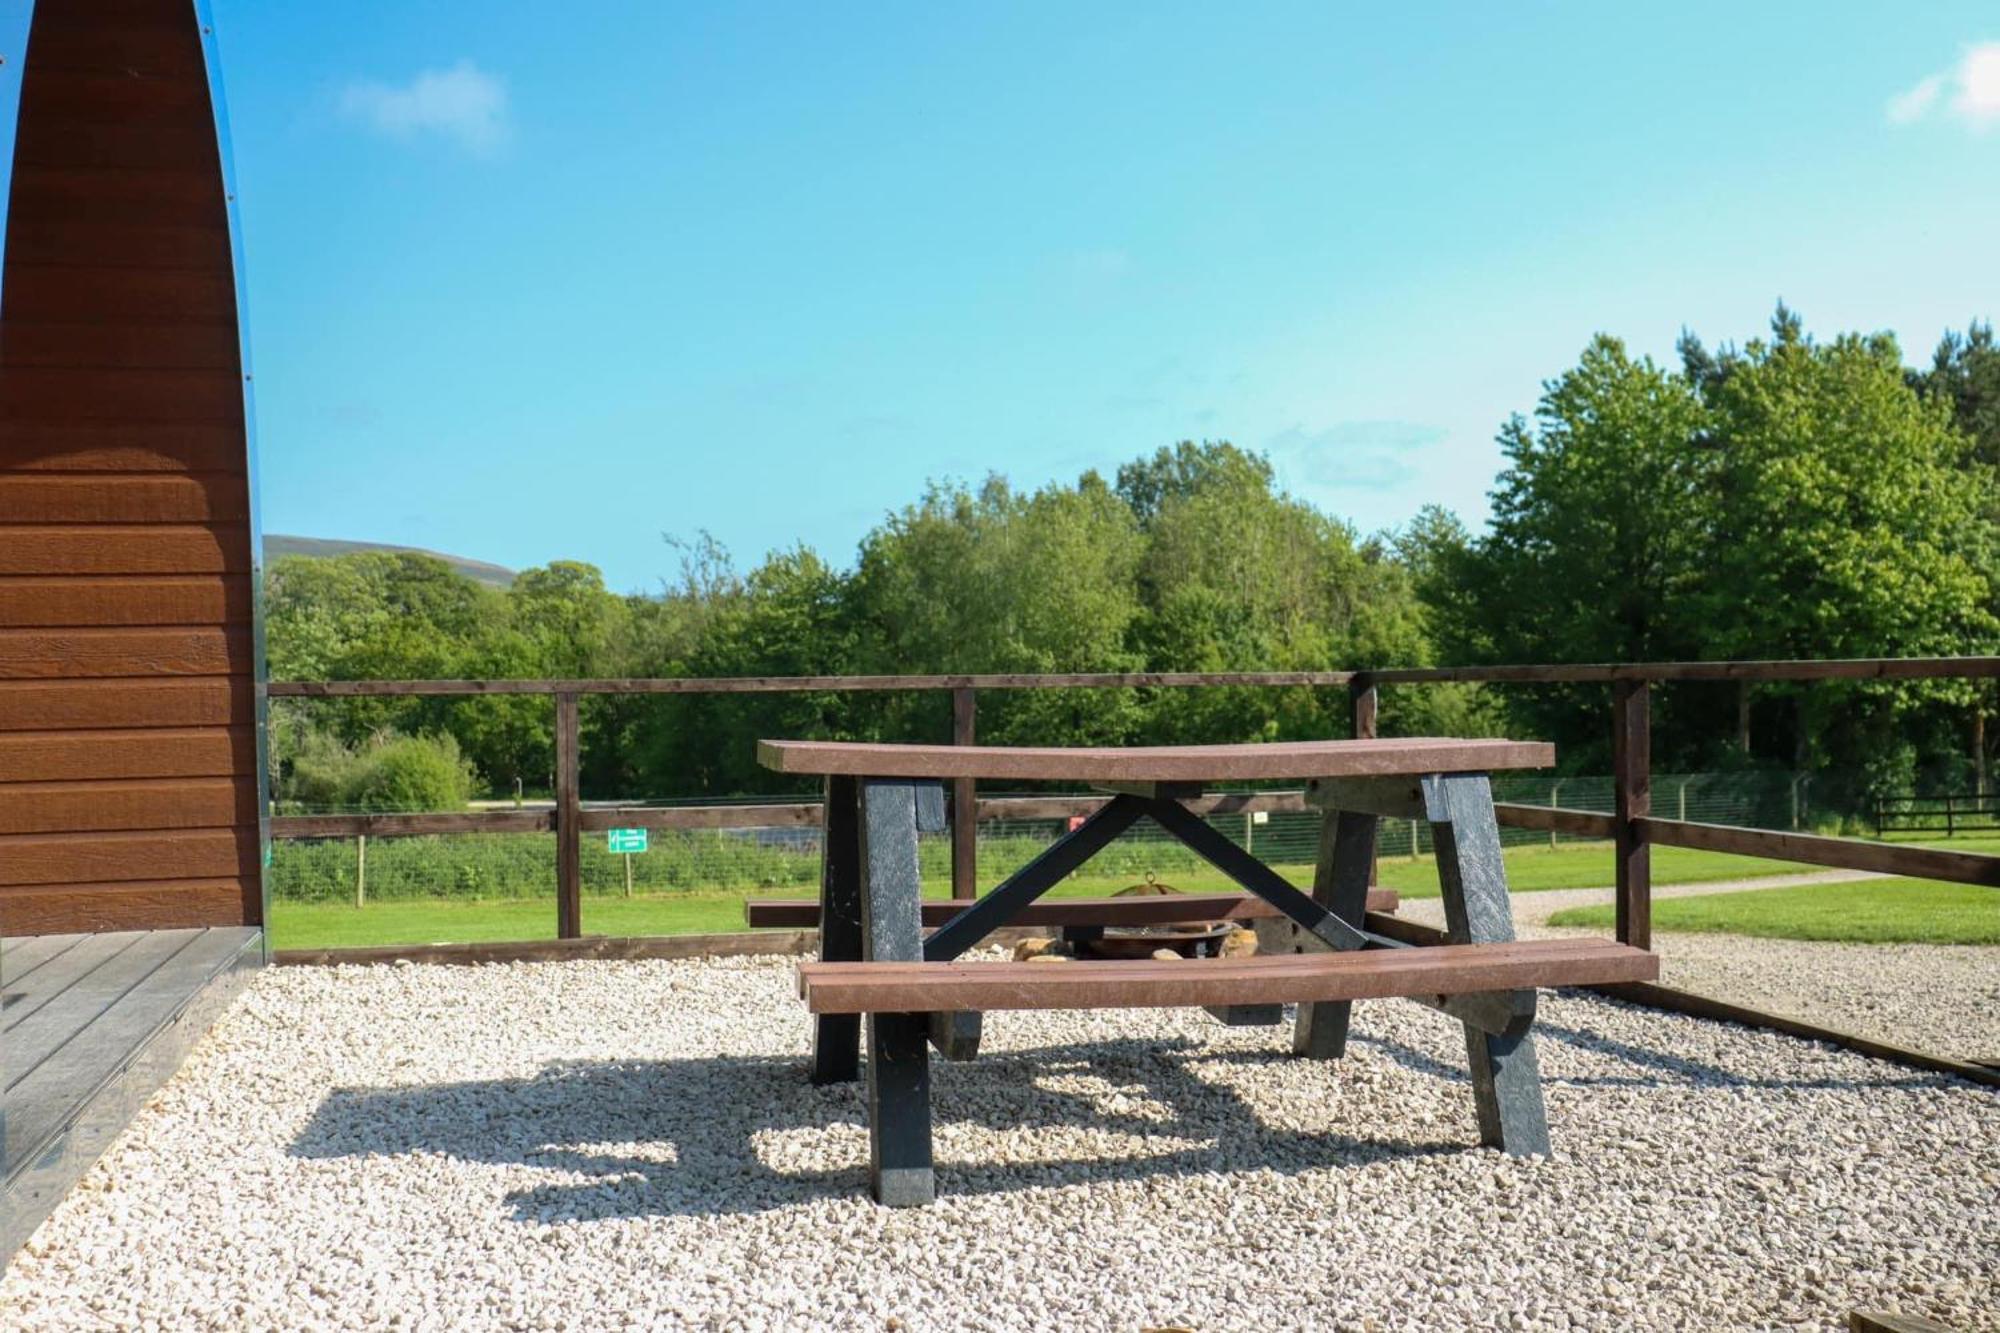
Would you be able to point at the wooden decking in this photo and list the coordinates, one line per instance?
(90, 1026)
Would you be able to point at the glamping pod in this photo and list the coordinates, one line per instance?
(131, 662)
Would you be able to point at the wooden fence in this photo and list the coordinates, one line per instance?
(1631, 826)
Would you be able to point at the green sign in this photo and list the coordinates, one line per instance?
(627, 840)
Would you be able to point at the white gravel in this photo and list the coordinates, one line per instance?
(634, 1145)
(1940, 998)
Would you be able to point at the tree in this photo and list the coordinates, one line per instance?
(1965, 372)
(1849, 523)
(1148, 484)
(577, 626)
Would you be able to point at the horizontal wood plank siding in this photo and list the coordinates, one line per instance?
(128, 782)
(74, 652)
(126, 804)
(119, 600)
(218, 548)
(139, 905)
(95, 756)
(60, 858)
(206, 701)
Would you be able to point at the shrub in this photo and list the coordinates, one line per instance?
(409, 773)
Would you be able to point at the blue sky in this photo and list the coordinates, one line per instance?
(525, 289)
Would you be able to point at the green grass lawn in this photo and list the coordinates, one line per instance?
(336, 925)
(1872, 911)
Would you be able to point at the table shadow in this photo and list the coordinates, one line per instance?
(680, 1137)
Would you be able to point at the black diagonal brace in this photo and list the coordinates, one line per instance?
(1259, 878)
(1032, 880)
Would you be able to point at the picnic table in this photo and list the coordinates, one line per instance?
(878, 963)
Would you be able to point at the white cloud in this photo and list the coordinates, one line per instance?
(463, 104)
(1912, 104)
(1974, 85)
(1978, 97)
(1354, 455)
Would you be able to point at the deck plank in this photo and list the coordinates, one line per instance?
(59, 974)
(61, 1107)
(90, 1002)
(1277, 760)
(20, 957)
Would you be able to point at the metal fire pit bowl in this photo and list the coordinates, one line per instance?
(1190, 939)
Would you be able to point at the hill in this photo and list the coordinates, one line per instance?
(277, 544)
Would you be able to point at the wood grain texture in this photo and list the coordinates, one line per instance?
(127, 708)
(569, 845)
(1281, 761)
(1551, 819)
(190, 701)
(1135, 910)
(75, 653)
(108, 498)
(342, 689)
(149, 905)
(126, 804)
(1887, 858)
(1191, 983)
(119, 600)
(56, 860)
(31, 393)
(110, 243)
(412, 825)
(731, 945)
(116, 446)
(135, 549)
(145, 50)
(62, 193)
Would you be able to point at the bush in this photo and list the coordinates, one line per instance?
(390, 773)
(410, 773)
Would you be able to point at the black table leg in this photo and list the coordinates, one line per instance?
(1340, 884)
(1506, 1080)
(836, 1056)
(899, 1077)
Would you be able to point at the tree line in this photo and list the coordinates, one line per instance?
(1791, 497)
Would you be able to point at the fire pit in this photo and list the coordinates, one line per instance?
(1189, 939)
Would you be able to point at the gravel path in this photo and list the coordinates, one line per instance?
(1942, 998)
(633, 1145)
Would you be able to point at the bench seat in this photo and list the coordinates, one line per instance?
(1132, 910)
(1435, 970)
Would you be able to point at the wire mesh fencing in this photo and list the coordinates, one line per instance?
(394, 881)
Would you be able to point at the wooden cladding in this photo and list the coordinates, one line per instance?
(128, 708)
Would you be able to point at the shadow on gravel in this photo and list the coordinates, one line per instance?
(1651, 1067)
(1667, 1067)
(713, 1136)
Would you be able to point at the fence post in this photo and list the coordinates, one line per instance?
(1632, 798)
(360, 869)
(569, 838)
(1361, 696)
(964, 801)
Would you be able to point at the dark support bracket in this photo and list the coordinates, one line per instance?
(1340, 884)
(1258, 878)
(1632, 773)
(1506, 1079)
(837, 1037)
(1032, 880)
(964, 801)
(899, 1062)
(956, 1035)
(569, 834)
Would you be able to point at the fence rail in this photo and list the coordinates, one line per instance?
(1956, 813)
(1630, 824)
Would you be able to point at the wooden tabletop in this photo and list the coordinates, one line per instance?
(1294, 761)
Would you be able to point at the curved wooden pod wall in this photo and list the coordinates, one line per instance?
(130, 649)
